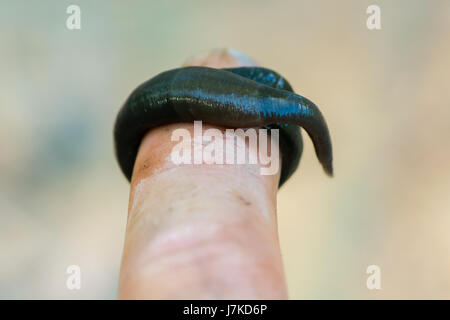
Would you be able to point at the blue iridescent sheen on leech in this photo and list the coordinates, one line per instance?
(236, 97)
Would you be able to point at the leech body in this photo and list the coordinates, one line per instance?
(236, 97)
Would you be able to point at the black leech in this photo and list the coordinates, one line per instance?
(235, 97)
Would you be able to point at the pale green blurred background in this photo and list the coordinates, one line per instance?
(385, 95)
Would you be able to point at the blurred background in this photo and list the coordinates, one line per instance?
(385, 95)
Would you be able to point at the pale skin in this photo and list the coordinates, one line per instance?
(200, 231)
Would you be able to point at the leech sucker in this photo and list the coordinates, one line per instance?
(235, 97)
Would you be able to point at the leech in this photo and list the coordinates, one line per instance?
(236, 97)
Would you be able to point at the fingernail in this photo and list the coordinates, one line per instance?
(221, 58)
